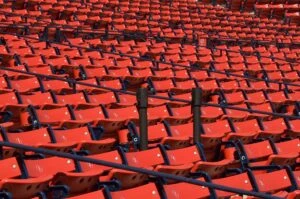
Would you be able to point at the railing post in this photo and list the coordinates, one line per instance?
(142, 102)
(196, 105)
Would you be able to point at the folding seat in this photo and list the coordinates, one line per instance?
(259, 154)
(208, 113)
(140, 48)
(159, 113)
(139, 75)
(292, 87)
(199, 75)
(237, 114)
(83, 138)
(123, 62)
(9, 98)
(279, 97)
(250, 68)
(288, 147)
(55, 85)
(291, 76)
(43, 51)
(204, 61)
(240, 181)
(220, 76)
(37, 99)
(217, 130)
(293, 128)
(43, 69)
(123, 48)
(115, 84)
(294, 96)
(92, 84)
(229, 86)
(182, 96)
(274, 87)
(36, 138)
(93, 71)
(70, 52)
(221, 59)
(126, 99)
(75, 41)
(122, 73)
(188, 48)
(157, 134)
(246, 131)
(273, 129)
(99, 117)
(286, 69)
(111, 156)
(91, 53)
(38, 45)
(109, 42)
(267, 184)
(25, 84)
(128, 42)
(57, 117)
(209, 86)
(161, 85)
(194, 154)
(154, 159)
(57, 61)
(127, 112)
(259, 85)
(222, 66)
(278, 55)
(232, 98)
(171, 57)
(203, 51)
(22, 50)
(64, 172)
(186, 85)
(83, 61)
(275, 76)
(162, 74)
(102, 97)
(266, 107)
(153, 102)
(126, 179)
(75, 99)
(31, 60)
(209, 140)
(13, 183)
(257, 97)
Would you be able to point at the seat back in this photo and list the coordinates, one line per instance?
(147, 158)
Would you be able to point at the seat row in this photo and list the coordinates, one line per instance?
(76, 178)
(172, 35)
(165, 132)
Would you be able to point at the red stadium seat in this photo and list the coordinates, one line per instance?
(64, 172)
(13, 183)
